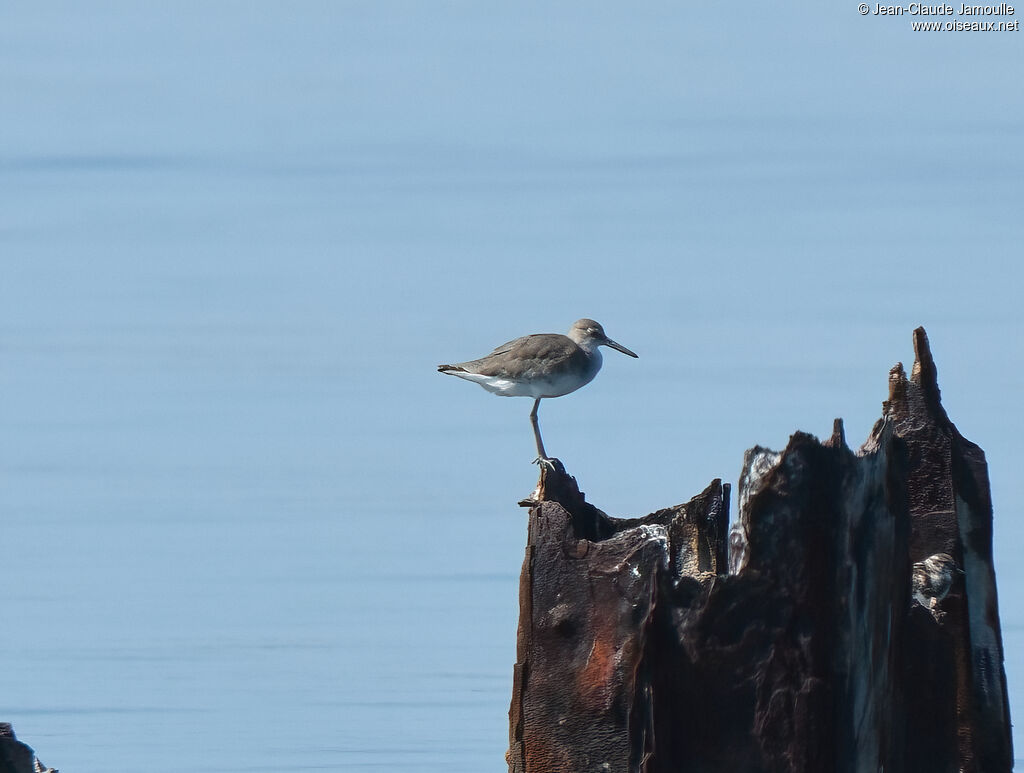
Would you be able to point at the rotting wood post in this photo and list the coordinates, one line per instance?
(17, 756)
(846, 622)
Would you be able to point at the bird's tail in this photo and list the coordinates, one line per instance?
(450, 369)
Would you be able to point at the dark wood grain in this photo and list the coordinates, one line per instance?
(847, 621)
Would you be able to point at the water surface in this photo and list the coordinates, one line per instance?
(248, 527)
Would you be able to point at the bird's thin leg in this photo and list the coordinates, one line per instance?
(542, 457)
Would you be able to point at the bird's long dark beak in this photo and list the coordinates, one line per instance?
(619, 347)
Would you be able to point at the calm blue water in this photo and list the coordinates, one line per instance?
(247, 527)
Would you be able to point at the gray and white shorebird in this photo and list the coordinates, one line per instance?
(539, 366)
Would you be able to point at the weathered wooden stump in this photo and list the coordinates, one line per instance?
(16, 756)
(846, 622)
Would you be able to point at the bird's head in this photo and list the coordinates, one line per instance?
(589, 334)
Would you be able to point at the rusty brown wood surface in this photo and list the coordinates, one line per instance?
(846, 622)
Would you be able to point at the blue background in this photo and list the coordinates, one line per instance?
(247, 526)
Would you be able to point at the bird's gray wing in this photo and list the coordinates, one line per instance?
(527, 354)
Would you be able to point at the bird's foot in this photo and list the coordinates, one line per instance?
(545, 461)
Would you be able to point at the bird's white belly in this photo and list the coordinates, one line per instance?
(552, 386)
